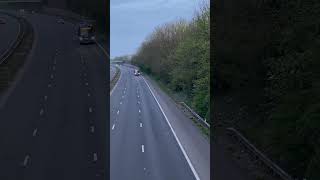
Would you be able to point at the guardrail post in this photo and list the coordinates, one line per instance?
(195, 115)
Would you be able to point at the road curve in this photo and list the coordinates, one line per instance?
(142, 144)
(53, 122)
(8, 32)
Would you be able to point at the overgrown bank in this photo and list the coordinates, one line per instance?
(268, 53)
(178, 55)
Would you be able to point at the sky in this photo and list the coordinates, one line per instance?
(131, 21)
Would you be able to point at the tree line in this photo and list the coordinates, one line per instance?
(178, 54)
(273, 46)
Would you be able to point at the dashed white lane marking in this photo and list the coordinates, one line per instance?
(90, 109)
(142, 148)
(35, 132)
(139, 111)
(113, 126)
(41, 112)
(118, 112)
(120, 102)
(26, 159)
(138, 96)
(92, 129)
(95, 157)
(144, 168)
(141, 125)
(122, 97)
(174, 134)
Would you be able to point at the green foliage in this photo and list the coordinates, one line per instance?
(121, 58)
(276, 43)
(179, 54)
(293, 83)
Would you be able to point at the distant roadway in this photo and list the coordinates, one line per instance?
(53, 118)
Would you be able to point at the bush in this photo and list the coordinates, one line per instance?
(179, 54)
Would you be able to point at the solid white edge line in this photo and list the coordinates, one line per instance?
(142, 148)
(103, 50)
(174, 134)
(113, 126)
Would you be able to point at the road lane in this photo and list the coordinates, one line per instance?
(142, 144)
(54, 121)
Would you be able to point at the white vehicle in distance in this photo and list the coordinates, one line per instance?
(136, 72)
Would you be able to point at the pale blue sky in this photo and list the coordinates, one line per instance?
(133, 20)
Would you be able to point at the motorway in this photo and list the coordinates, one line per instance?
(53, 118)
(8, 32)
(144, 128)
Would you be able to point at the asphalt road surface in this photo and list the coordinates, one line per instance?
(8, 32)
(53, 119)
(143, 146)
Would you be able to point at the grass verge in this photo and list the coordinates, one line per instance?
(115, 79)
(178, 97)
(17, 59)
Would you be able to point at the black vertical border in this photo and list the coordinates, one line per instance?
(107, 145)
(212, 65)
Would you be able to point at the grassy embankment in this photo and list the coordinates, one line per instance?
(273, 48)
